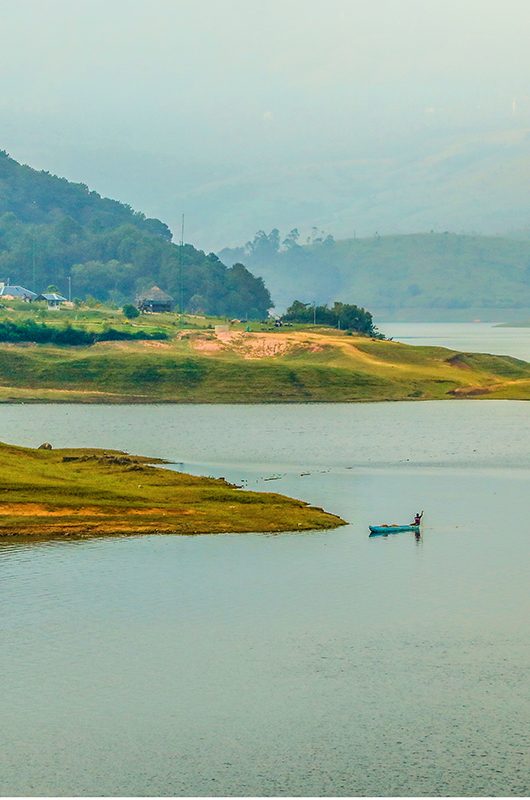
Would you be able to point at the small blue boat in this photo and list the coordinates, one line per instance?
(384, 530)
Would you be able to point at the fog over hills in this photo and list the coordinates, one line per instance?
(350, 116)
(430, 276)
(472, 184)
(364, 120)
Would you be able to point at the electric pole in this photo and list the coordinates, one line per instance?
(181, 248)
(33, 260)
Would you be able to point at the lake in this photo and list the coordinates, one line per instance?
(478, 337)
(321, 663)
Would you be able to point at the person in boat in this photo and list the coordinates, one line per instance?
(417, 518)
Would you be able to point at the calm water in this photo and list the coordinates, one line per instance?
(316, 663)
(478, 337)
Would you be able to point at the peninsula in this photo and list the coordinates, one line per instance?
(163, 357)
(88, 492)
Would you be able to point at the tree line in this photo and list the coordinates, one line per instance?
(30, 331)
(341, 315)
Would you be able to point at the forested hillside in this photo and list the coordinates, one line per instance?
(51, 229)
(432, 275)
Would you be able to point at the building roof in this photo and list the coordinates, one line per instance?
(52, 297)
(17, 291)
(155, 295)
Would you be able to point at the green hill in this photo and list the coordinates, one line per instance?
(162, 358)
(416, 276)
(51, 229)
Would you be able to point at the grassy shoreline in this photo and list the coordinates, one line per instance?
(255, 368)
(201, 360)
(88, 492)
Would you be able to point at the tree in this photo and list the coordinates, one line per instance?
(264, 246)
(130, 311)
(291, 240)
(51, 229)
(343, 315)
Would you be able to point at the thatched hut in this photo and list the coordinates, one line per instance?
(155, 300)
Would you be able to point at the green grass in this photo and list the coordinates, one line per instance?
(308, 364)
(99, 317)
(96, 492)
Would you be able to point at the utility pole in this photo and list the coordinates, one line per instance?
(70, 288)
(314, 312)
(33, 261)
(180, 303)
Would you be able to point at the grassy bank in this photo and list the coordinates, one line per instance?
(95, 492)
(197, 363)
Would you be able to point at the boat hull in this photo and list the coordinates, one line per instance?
(383, 530)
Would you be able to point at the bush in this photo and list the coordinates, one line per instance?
(130, 311)
(343, 315)
(30, 331)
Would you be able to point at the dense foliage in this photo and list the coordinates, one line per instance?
(430, 275)
(30, 331)
(340, 315)
(51, 229)
(130, 311)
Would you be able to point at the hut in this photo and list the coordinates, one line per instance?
(155, 300)
(12, 292)
(53, 300)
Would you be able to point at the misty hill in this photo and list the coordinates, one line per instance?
(421, 276)
(442, 180)
(51, 229)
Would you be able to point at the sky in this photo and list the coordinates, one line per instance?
(241, 112)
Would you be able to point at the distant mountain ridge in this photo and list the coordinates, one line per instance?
(52, 229)
(414, 276)
(475, 182)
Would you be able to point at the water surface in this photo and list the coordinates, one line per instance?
(475, 337)
(309, 663)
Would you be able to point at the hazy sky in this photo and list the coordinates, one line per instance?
(155, 101)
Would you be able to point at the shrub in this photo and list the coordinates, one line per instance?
(30, 331)
(130, 311)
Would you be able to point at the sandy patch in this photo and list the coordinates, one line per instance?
(128, 343)
(156, 345)
(228, 336)
(41, 510)
(255, 345)
(207, 345)
(266, 346)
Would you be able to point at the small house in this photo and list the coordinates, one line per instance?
(8, 292)
(154, 300)
(53, 300)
